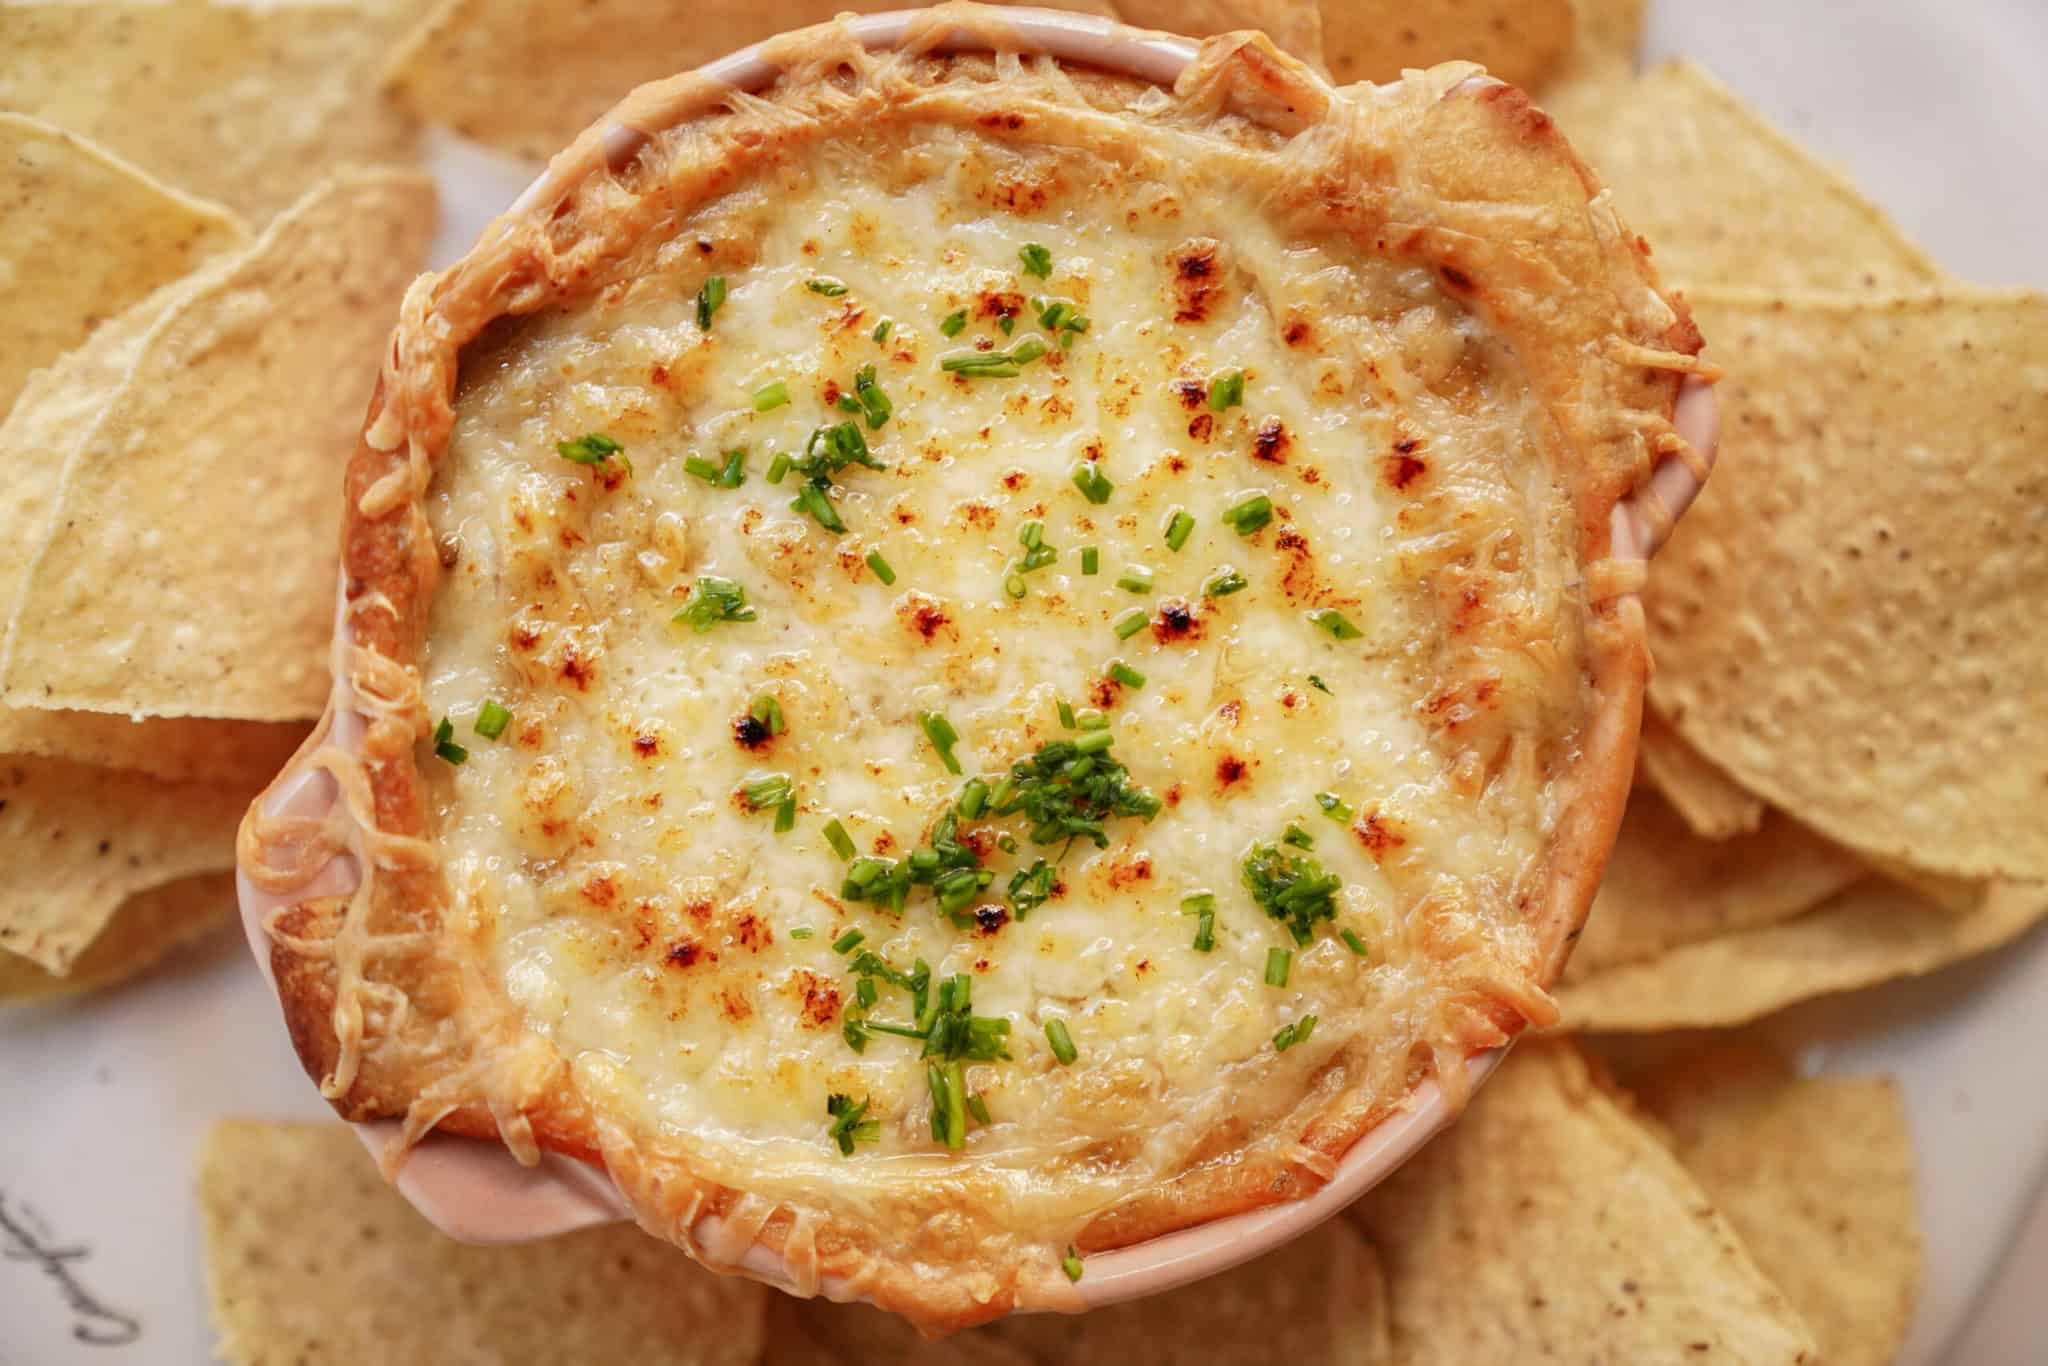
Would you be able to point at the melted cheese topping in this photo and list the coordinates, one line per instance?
(678, 952)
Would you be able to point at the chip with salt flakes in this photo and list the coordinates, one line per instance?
(78, 841)
(1816, 1174)
(1714, 805)
(220, 449)
(1549, 1224)
(1728, 199)
(526, 76)
(1519, 41)
(84, 234)
(148, 926)
(1871, 933)
(245, 105)
(1665, 886)
(1849, 621)
(310, 1257)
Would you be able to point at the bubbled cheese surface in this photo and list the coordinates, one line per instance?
(678, 951)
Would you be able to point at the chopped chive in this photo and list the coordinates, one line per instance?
(1178, 527)
(1013, 583)
(872, 402)
(1205, 931)
(1093, 742)
(1197, 901)
(592, 448)
(981, 365)
(1062, 1043)
(1091, 719)
(973, 799)
(1125, 674)
(1006, 324)
(1028, 350)
(836, 836)
(1278, 961)
(1336, 624)
(847, 403)
(848, 942)
(1249, 514)
(1316, 681)
(802, 932)
(940, 732)
(825, 285)
(1071, 1263)
(1131, 622)
(710, 299)
(812, 499)
(881, 567)
(785, 816)
(1224, 582)
(1226, 390)
(702, 468)
(1091, 561)
(767, 709)
(955, 323)
(444, 743)
(1298, 837)
(1037, 260)
(1353, 942)
(772, 790)
(1295, 1033)
(491, 719)
(730, 475)
(978, 1107)
(1066, 713)
(1335, 807)
(865, 992)
(881, 332)
(779, 466)
(1031, 535)
(771, 396)
(1136, 579)
(714, 600)
(850, 1123)
(1093, 483)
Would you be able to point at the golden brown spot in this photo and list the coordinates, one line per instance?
(992, 304)
(1230, 770)
(1122, 875)
(752, 932)
(1271, 441)
(734, 1006)
(750, 734)
(600, 891)
(1196, 282)
(1404, 466)
(990, 918)
(647, 746)
(1201, 426)
(1379, 834)
(1192, 393)
(1176, 622)
(1456, 279)
(686, 953)
(925, 616)
(1015, 479)
(1295, 332)
(820, 999)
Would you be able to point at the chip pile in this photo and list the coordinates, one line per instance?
(1842, 770)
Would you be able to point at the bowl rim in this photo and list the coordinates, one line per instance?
(474, 1191)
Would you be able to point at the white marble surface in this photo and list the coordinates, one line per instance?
(1936, 107)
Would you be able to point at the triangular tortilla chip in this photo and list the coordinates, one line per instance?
(1816, 1174)
(1665, 886)
(78, 841)
(1549, 1225)
(189, 567)
(83, 235)
(1295, 26)
(1871, 933)
(311, 1257)
(240, 754)
(1714, 805)
(1520, 41)
(148, 926)
(245, 105)
(1849, 619)
(1725, 198)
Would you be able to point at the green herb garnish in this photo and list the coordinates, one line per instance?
(1062, 1043)
(1316, 681)
(714, 600)
(881, 332)
(592, 448)
(1125, 674)
(1136, 579)
(1030, 888)
(1249, 514)
(710, 299)
(1037, 260)
(1226, 391)
(491, 719)
(1353, 942)
(1224, 582)
(767, 709)
(802, 932)
(1336, 624)
(874, 404)
(772, 790)
(955, 323)
(1202, 905)
(1298, 837)
(771, 396)
(940, 732)
(444, 743)
(1334, 807)
(841, 842)
(1091, 560)
(1291, 888)
(1295, 1033)
(1179, 525)
(848, 942)
(1071, 1263)
(730, 475)
(850, 1124)
(1093, 483)
(825, 285)
(1278, 962)
(1069, 788)
(881, 568)
(1130, 623)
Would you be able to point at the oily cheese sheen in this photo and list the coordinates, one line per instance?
(691, 962)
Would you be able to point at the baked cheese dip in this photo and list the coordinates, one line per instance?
(968, 661)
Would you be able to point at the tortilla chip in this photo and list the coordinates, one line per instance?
(189, 567)
(526, 76)
(1714, 805)
(1295, 26)
(1606, 36)
(1816, 1174)
(1725, 198)
(310, 1257)
(1549, 1225)
(1520, 41)
(1871, 933)
(1849, 620)
(240, 754)
(148, 926)
(246, 106)
(83, 235)
(1666, 887)
(78, 841)
(1317, 1299)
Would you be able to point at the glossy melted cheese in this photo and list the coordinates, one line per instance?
(678, 952)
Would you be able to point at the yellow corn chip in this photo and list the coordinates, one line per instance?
(1549, 1225)
(1295, 26)
(1725, 198)
(189, 567)
(244, 105)
(1519, 41)
(1849, 620)
(148, 926)
(1871, 933)
(1606, 36)
(240, 754)
(78, 841)
(526, 76)
(1714, 805)
(310, 1257)
(1816, 1174)
(1665, 886)
(83, 235)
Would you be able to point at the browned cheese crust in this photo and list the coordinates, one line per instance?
(1469, 178)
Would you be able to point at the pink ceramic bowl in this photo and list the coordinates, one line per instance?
(475, 1192)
